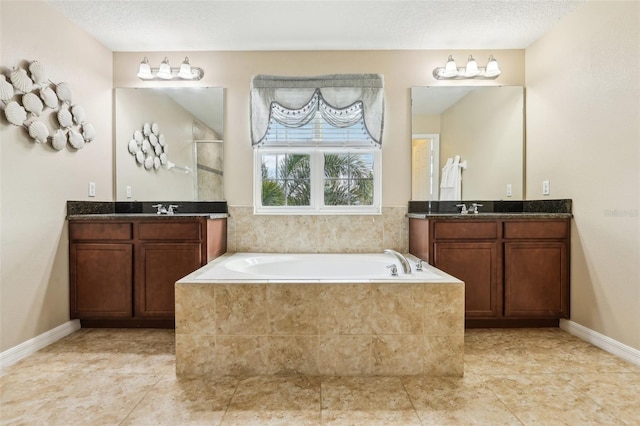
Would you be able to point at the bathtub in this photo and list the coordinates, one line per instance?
(312, 268)
(318, 314)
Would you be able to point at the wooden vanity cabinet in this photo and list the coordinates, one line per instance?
(122, 272)
(470, 249)
(536, 269)
(516, 271)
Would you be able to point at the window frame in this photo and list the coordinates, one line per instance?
(316, 162)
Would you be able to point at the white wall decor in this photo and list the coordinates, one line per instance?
(148, 146)
(26, 96)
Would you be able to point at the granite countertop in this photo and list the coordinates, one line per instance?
(129, 216)
(471, 216)
(119, 210)
(492, 209)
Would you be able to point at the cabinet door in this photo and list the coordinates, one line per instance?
(535, 279)
(158, 267)
(101, 280)
(475, 264)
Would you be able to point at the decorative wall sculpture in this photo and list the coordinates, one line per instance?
(26, 97)
(149, 146)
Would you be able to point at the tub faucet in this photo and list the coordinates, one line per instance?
(406, 267)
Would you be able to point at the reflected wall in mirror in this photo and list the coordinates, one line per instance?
(191, 119)
(484, 125)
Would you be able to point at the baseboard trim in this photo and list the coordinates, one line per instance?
(23, 350)
(600, 340)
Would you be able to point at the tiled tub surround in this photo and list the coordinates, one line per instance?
(385, 327)
(247, 232)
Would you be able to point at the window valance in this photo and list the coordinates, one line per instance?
(342, 99)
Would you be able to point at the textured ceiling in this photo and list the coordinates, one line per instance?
(202, 25)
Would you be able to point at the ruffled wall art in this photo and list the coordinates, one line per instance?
(148, 146)
(29, 97)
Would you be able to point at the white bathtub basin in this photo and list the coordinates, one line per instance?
(311, 267)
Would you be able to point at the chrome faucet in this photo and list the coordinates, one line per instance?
(464, 208)
(161, 209)
(474, 208)
(166, 210)
(406, 267)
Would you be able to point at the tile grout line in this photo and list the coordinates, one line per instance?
(235, 391)
(415, 410)
(161, 376)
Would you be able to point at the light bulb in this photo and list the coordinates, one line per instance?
(185, 70)
(144, 71)
(165, 70)
(471, 70)
(492, 69)
(450, 69)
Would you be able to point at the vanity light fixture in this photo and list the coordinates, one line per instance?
(472, 71)
(165, 72)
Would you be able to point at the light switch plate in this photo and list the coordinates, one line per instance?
(128, 191)
(509, 190)
(92, 189)
(545, 187)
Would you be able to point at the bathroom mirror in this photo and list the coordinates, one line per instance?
(191, 122)
(483, 125)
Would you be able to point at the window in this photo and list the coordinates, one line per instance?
(317, 180)
(348, 179)
(313, 155)
(286, 179)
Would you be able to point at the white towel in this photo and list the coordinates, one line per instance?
(451, 181)
(446, 190)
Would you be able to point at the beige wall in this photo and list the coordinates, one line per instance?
(426, 124)
(583, 133)
(35, 181)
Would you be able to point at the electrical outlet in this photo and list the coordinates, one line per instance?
(92, 189)
(128, 191)
(509, 190)
(545, 187)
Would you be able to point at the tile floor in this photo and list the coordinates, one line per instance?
(512, 377)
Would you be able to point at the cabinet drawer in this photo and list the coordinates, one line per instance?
(537, 229)
(100, 231)
(465, 230)
(170, 231)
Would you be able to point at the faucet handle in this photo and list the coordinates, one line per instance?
(159, 207)
(474, 207)
(172, 207)
(464, 208)
(419, 265)
(394, 270)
